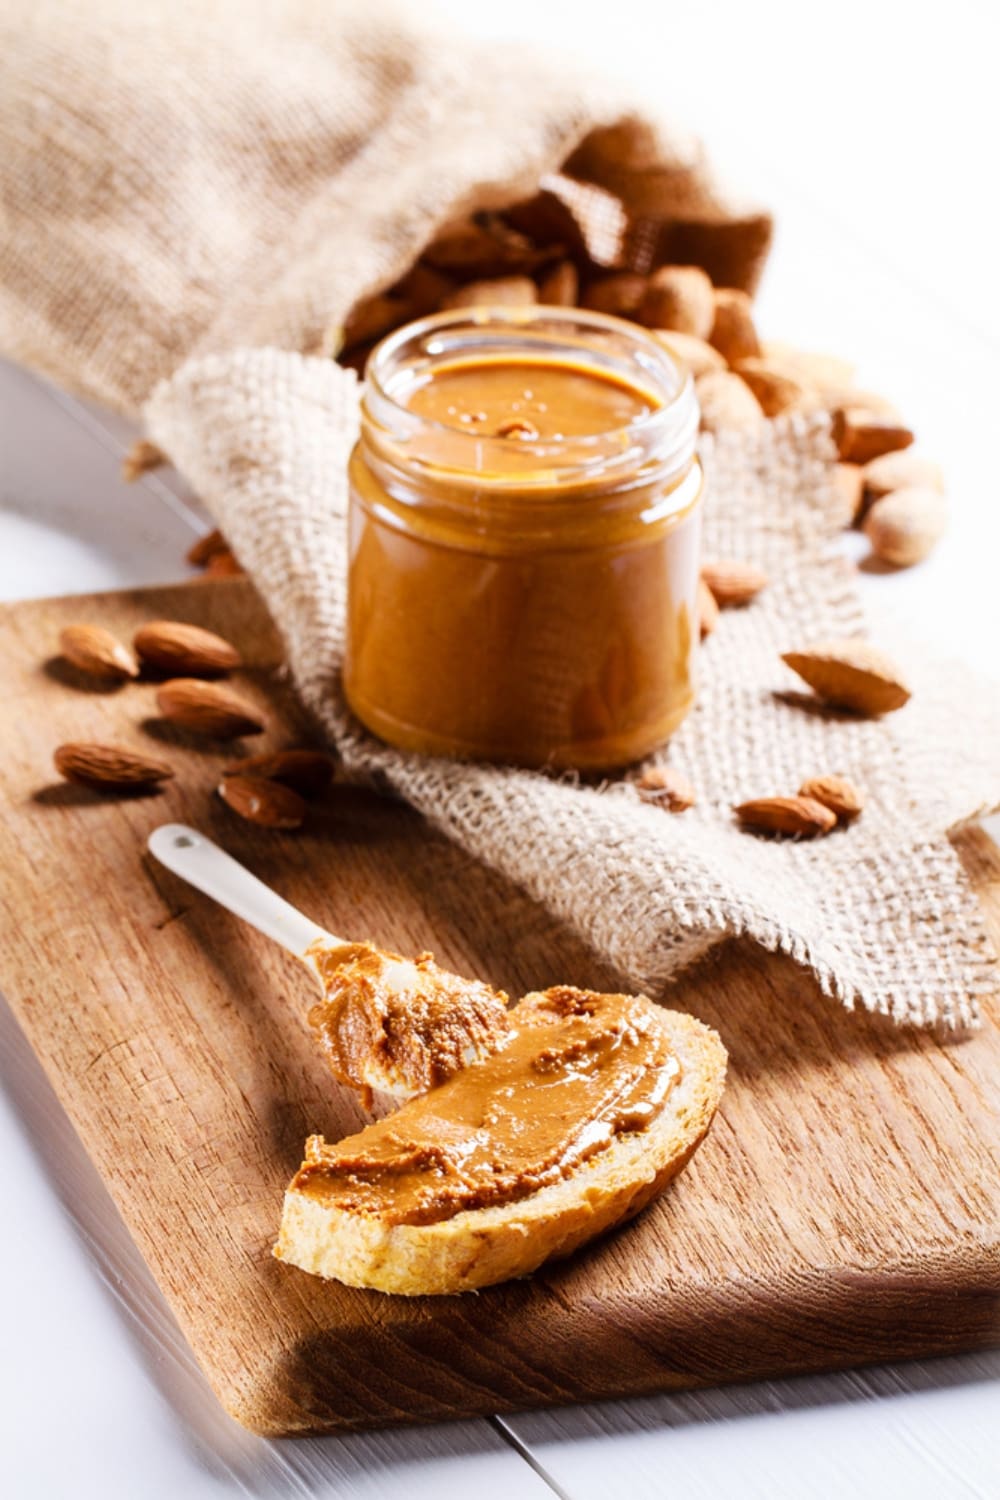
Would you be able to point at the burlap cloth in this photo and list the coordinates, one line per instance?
(195, 195)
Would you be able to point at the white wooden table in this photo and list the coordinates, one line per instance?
(884, 254)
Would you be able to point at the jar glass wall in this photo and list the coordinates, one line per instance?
(524, 522)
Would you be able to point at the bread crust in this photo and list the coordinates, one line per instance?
(479, 1247)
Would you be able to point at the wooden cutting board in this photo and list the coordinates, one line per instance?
(844, 1208)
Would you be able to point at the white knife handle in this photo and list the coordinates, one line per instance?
(210, 870)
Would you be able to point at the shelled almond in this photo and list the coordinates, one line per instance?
(177, 648)
(795, 817)
(208, 708)
(841, 796)
(308, 772)
(731, 582)
(666, 787)
(96, 652)
(270, 804)
(851, 674)
(109, 768)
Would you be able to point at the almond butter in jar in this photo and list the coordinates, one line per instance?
(524, 527)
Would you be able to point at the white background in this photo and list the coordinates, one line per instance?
(872, 130)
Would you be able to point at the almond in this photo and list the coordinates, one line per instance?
(848, 493)
(206, 547)
(94, 650)
(727, 402)
(268, 803)
(502, 291)
(223, 564)
(108, 767)
(373, 316)
(798, 817)
(898, 471)
(733, 583)
(208, 708)
(423, 288)
(679, 297)
(732, 331)
(812, 368)
(140, 458)
(308, 772)
(776, 390)
(697, 354)
(905, 525)
(708, 609)
(618, 294)
(835, 792)
(851, 674)
(560, 287)
(483, 247)
(861, 434)
(548, 220)
(666, 788)
(171, 646)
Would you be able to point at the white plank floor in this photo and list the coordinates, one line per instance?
(887, 237)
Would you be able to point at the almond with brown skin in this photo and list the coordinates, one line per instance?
(109, 768)
(201, 552)
(679, 297)
(796, 817)
(851, 674)
(905, 525)
(733, 583)
(502, 291)
(308, 772)
(140, 459)
(812, 368)
(667, 788)
(560, 287)
(727, 402)
(841, 796)
(732, 330)
(861, 435)
(776, 390)
(208, 708)
(618, 294)
(373, 316)
(483, 247)
(708, 609)
(897, 471)
(94, 650)
(697, 354)
(268, 803)
(174, 647)
(224, 564)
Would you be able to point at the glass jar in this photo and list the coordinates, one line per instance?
(524, 529)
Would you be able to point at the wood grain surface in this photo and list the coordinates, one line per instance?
(845, 1207)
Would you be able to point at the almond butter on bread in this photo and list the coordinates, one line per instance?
(514, 1160)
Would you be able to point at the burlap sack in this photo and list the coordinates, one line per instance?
(192, 197)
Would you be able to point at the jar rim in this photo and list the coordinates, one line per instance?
(666, 433)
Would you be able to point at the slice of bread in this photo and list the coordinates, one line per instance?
(480, 1246)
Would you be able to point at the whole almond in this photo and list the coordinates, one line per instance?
(697, 354)
(798, 817)
(560, 287)
(502, 291)
(373, 316)
(94, 650)
(897, 471)
(618, 294)
(483, 247)
(108, 767)
(268, 803)
(308, 772)
(423, 288)
(776, 390)
(708, 609)
(140, 459)
(732, 330)
(733, 583)
(205, 548)
(905, 525)
(667, 788)
(727, 402)
(841, 796)
(861, 434)
(679, 297)
(172, 646)
(208, 708)
(851, 674)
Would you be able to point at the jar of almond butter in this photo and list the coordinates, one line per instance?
(524, 524)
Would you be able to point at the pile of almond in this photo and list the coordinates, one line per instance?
(536, 252)
(271, 789)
